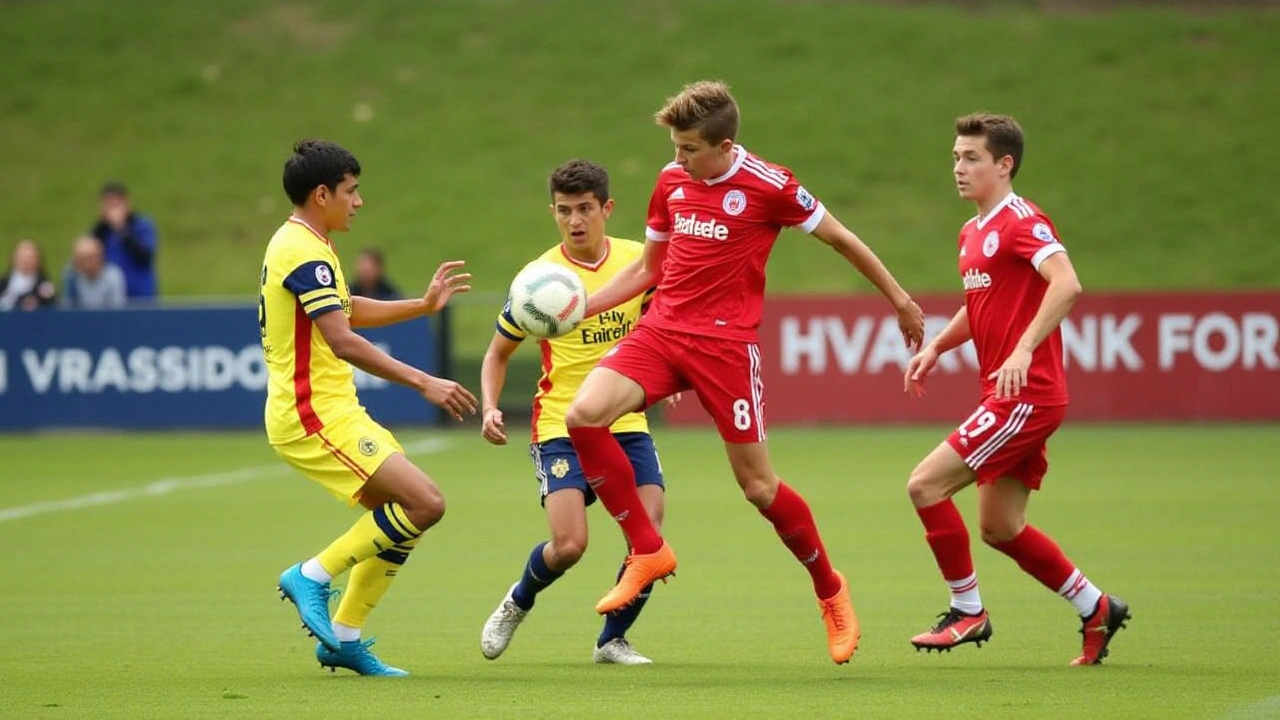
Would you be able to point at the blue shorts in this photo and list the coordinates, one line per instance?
(556, 464)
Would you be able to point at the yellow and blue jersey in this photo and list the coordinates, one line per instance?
(567, 359)
(308, 387)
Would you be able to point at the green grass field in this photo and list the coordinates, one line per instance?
(161, 603)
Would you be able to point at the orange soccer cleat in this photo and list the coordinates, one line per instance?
(1100, 627)
(955, 628)
(842, 624)
(641, 571)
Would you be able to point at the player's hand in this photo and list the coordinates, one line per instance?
(493, 430)
(444, 284)
(1012, 375)
(449, 396)
(911, 323)
(918, 369)
(673, 400)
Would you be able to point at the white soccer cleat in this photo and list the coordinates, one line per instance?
(619, 652)
(501, 626)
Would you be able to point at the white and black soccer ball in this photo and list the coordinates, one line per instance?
(547, 300)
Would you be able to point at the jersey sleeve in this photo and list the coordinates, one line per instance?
(796, 207)
(1037, 240)
(313, 283)
(507, 326)
(658, 223)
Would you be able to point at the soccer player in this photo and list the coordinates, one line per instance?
(713, 218)
(315, 421)
(1019, 284)
(580, 204)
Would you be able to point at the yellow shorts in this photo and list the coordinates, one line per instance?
(343, 455)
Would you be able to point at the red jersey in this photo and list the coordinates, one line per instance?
(720, 232)
(1000, 256)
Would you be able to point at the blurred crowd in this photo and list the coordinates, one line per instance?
(113, 264)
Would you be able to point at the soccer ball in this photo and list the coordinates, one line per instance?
(547, 300)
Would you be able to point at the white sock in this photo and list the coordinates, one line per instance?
(345, 633)
(964, 595)
(315, 572)
(1081, 593)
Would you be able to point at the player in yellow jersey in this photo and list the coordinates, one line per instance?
(580, 204)
(315, 421)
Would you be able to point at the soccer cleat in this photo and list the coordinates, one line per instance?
(1100, 627)
(842, 624)
(501, 626)
(641, 570)
(355, 656)
(955, 629)
(619, 652)
(312, 601)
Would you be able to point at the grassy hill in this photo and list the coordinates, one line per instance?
(1150, 131)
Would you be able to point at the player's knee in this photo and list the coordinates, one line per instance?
(425, 508)
(581, 414)
(759, 491)
(998, 530)
(567, 551)
(923, 489)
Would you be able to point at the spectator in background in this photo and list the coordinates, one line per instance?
(25, 286)
(370, 280)
(90, 282)
(128, 241)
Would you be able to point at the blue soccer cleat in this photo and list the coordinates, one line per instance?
(312, 601)
(355, 656)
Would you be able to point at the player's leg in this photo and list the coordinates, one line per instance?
(612, 645)
(1020, 465)
(564, 493)
(941, 474)
(635, 374)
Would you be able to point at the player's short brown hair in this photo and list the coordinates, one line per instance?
(580, 176)
(1002, 133)
(706, 105)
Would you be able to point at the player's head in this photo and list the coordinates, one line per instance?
(703, 120)
(324, 176)
(987, 154)
(580, 203)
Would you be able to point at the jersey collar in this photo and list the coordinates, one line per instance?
(305, 224)
(984, 219)
(588, 266)
(739, 156)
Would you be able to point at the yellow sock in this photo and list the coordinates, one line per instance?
(369, 581)
(376, 531)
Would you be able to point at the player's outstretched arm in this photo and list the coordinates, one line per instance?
(630, 280)
(841, 239)
(448, 281)
(955, 334)
(493, 377)
(349, 346)
(1059, 297)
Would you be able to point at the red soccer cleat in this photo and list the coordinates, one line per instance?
(1100, 627)
(955, 629)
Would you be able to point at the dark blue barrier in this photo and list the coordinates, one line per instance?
(170, 368)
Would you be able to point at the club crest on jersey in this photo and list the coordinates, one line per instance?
(806, 200)
(735, 201)
(990, 244)
(560, 468)
(1043, 233)
(323, 276)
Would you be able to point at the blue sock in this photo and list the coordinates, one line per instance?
(616, 624)
(537, 577)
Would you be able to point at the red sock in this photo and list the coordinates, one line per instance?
(613, 480)
(793, 520)
(947, 535)
(1039, 556)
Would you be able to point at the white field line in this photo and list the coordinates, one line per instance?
(165, 486)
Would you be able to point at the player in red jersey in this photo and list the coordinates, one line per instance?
(1019, 284)
(713, 219)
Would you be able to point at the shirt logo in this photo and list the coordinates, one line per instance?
(677, 194)
(806, 200)
(990, 244)
(1043, 233)
(709, 229)
(735, 201)
(323, 276)
(975, 279)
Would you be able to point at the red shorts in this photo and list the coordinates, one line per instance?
(1008, 438)
(724, 373)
